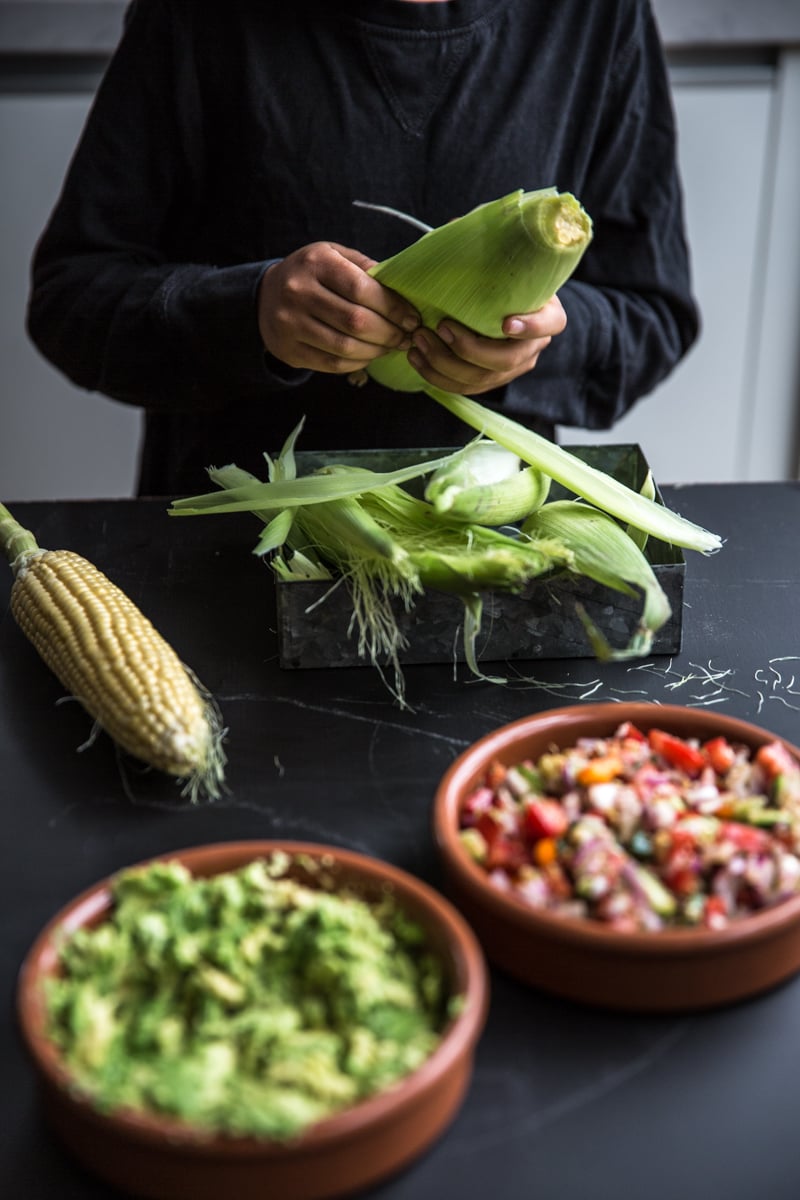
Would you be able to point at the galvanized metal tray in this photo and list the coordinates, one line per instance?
(314, 619)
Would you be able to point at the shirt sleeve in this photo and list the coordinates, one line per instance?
(631, 313)
(107, 306)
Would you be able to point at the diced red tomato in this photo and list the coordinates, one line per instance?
(715, 914)
(506, 852)
(628, 730)
(720, 754)
(774, 759)
(677, 752)
(744, 837)
(544, 818)
(679, 869)
(683, 881)
(682, 838)
(503, 848)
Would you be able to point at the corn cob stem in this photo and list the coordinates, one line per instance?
(108, 655)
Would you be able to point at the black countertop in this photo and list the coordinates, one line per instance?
(566, 1102)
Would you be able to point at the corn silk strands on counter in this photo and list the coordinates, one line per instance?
(109, 656)
(698, 685)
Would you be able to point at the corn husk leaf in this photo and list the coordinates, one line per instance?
(600, 489)
(316, 488)
(603, 551)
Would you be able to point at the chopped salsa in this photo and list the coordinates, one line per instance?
(247, 1003)
(642, 831)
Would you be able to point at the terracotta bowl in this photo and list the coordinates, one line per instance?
(663, 971)
(155, 1157)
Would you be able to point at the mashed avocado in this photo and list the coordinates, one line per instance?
(247, 1003)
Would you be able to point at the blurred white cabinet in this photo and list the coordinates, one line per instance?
(730, 409)
(56, 440)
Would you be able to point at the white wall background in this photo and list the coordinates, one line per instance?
(728, 412)
(56, 441)
(730, 409)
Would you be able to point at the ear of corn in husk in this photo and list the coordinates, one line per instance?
(510, 256)
(387, 546)
(110, 657)
(507, 256)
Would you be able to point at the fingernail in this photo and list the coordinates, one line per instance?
(410, 323)
(415, 359)
(445, 333)
(421, 342)
(515, 326)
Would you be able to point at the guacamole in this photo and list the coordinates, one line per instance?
(247, 1003)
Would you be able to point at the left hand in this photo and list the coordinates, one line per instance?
(456, 359)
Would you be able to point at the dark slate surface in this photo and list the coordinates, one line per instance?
(566, 1102)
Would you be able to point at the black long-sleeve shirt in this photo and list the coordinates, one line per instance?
(224, 136)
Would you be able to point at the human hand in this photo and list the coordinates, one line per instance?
(318, 309)
(456, 359)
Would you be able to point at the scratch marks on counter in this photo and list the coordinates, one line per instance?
(370, 719)
(530, 1120)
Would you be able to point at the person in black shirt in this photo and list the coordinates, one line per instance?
(206, 259)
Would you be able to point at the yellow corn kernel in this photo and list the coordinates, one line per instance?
(110, 657)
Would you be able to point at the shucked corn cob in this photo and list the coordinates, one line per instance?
(110, 657)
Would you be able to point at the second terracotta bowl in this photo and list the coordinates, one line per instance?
(581, 959)
(150, 1156)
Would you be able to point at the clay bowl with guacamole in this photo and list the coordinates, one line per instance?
(252, 1018)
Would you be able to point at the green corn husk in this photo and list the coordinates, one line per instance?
(387, 546)
(501, 503)
(485, 484)
(510, 255)
(605, 552)
(648, 490)
(465, 559)
(600, 489)
(287, 491)
(453, 557)
(482, 461)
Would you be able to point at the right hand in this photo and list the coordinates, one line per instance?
(318, 309)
